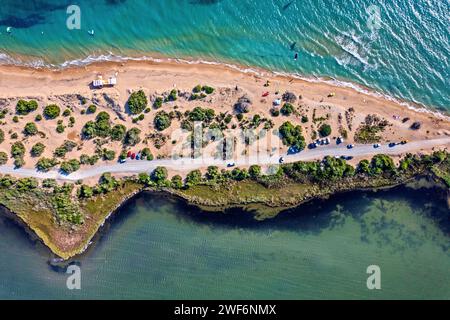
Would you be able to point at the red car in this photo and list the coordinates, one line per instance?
(129, 154)
(133, 156)
(265, 94)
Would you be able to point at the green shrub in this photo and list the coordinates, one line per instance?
(213, 173)
(66, 147)
(92, 109)
(382, 164)
(109, 154)
(137, 102)
(45, 164)
(26, 184)
(254, 171)
(107, 183)
(38, 117)
(197, 88)
(287, 109)
(201, 114)
(2, 136)
(103, 116)
(158, 103)
(118, 132)
(159, 175)
(70, 166)
(17, 149)
(89, 130)
(7, 181)
(3, 158)
(146, 153)
(66, 113)
(173, 95)
(52, 111)
(15, 119)
(162, 121)
(38, 149)
(85, 192)
(85, 159)
(207, 89)
(239, 175)
(325, 130)
(49, 183)
(193, 178)
(292, 135)
(177, 182)
(132, 137)
(25, 107)
(274, 112)
(60, 128)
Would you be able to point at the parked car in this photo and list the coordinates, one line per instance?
(339, 140)
(350, 146)
(376, 145)
(392, 144)
(293, 150)
(129, 154)
(133, 156)
(122, 160)
(312, 145)
(281, 160)
(230, 165)
(404, 142)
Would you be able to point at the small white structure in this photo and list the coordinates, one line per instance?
(99, 82)
(277, 102)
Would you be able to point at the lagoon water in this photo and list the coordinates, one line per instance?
(157, 247)
(405, 55)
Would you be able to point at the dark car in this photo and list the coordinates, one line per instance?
(281, 160)
(392, 144)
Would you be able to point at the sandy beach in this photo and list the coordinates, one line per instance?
(344, 109)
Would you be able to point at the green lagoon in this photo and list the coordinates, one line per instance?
(157, 247)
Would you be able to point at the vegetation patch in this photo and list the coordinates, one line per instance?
(369, 131)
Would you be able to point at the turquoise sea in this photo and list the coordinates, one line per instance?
(405, 55)
(159, 248)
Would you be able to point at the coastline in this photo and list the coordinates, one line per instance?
(65, 86)
(115, 61)
(97, 233)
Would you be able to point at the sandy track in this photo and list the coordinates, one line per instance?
(186, 165)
